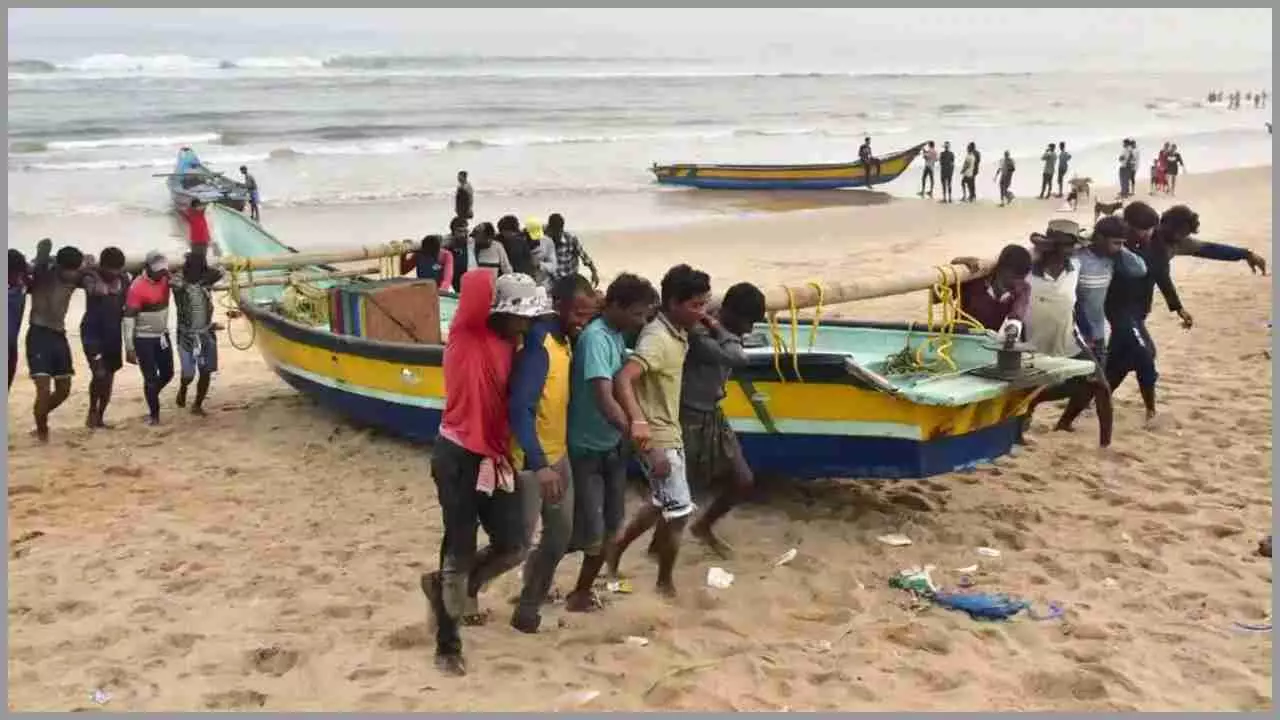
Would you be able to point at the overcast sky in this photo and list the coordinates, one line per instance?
(1210, 38)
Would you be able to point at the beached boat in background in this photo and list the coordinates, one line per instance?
(191, 179)
(827, 410)
(786, 177)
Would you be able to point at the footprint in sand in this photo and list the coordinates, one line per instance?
(235, 700)
(273, 660)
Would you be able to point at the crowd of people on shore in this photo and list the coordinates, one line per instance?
(1055, 166)
(1258, 99)
(126, 319)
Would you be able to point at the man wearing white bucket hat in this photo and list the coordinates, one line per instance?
(470, 461)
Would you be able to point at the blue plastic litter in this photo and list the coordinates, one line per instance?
(982, 606)
(1055, 611)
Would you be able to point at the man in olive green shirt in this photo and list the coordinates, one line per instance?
(648, 388)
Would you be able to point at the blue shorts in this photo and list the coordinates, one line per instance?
(670, 493)
(253, 197)
(204, 358)
(48, 354)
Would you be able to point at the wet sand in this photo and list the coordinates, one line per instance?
(267, 556)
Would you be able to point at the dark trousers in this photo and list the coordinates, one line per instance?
(1062, 174)
(463, 569)
(155, 360)
(1131, 350)
(968, 188)
(945, 177)
(557, 530)
(927, 177)
(1046, 185)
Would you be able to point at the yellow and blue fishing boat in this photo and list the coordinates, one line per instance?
(787, 177)
(817, 401)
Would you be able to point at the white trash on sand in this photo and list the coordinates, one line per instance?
(719, 578)
(895, 540)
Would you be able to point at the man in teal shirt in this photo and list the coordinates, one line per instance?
(597, 425)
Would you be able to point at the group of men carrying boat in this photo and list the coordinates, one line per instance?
(1072, 297)
(125, 319)
(544, 407)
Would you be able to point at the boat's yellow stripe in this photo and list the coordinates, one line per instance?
(829, 402)
(816, 403)
(888, 167)
(418, 381)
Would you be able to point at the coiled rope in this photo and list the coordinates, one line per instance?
(779, 345)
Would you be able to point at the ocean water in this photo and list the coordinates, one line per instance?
(87, 135)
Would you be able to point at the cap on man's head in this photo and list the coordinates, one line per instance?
(156, 261)
(517, 294)
(533, 226)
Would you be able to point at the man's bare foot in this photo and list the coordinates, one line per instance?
(712, 541)
(41, 435)
(198, 411)
(667, 589)
(451, 664)
(152, 420)
(1064, 427)
(583, 602)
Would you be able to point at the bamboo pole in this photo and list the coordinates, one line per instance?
(806, 296)
(293, 261)
(298, 277)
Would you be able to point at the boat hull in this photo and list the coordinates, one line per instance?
(785, 177)
(853, 432)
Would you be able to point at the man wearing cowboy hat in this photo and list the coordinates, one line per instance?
(470, 461)
(1051, 320)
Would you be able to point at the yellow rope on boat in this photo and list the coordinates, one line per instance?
(795, 332)
(817, 313)
(231, 300)
(776, 343)
(941, 331)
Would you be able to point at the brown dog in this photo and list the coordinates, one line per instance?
(1104, 208)
(1080, 188)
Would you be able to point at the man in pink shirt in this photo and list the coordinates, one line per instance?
(470, 461)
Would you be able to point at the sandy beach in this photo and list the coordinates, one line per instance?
(267, 556)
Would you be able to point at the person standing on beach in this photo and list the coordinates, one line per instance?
(198, 227)
(458, 244)
(1051, 323)
(197, 332)
(648, 389)
(516, 244)
(1004, 176)
(1064, 163)
(597, 428)
(470, 461)
(1100, 262)
(102, 329)
(930, 159)
(870, 164)
(19, 279)
(539, 416)
(1003, 295)
(1050, 160)
(711, 446)
(464, 198)
(569, 255)
(483, 251)
(431, 262)
(251, 183)
(968, 175)
(1173, 166)
(53, 281)
(146, 330)
(946, 168)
